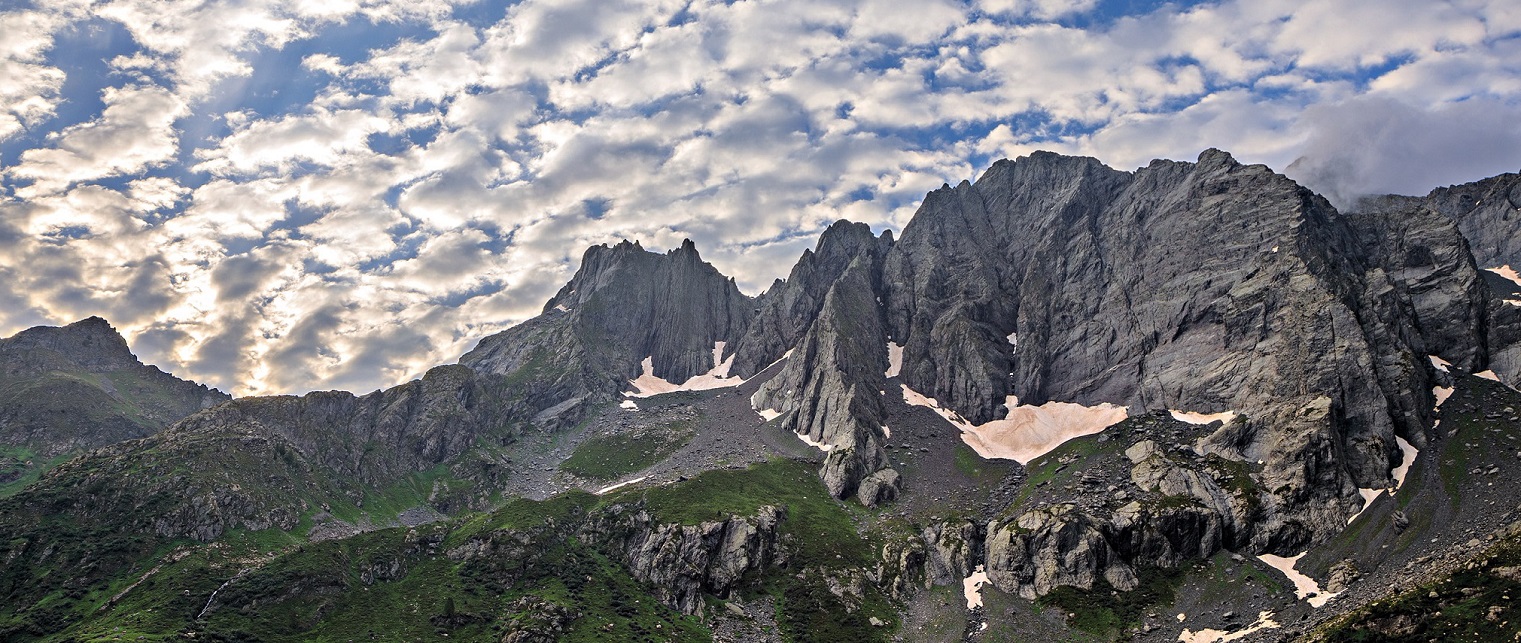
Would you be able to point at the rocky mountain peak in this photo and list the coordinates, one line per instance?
(624, 305)
(79, 386)
(91, 343)
(785, 311)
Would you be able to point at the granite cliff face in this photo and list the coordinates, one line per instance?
(789, 307)
(828, 314)
(1487, 212)
(1206, 287)
(1483, 216)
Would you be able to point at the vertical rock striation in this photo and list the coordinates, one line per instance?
(623, 305)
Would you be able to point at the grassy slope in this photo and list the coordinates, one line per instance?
(402, 585)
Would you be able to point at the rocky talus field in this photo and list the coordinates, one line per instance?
(1194, 402)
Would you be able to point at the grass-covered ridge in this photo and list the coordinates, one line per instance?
(609, 457)
(475, 578)
(1476, 602)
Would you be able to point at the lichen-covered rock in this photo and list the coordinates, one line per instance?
(952, 551)
(1051, 547)
(532, 619)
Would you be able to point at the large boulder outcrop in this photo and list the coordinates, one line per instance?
(682, 563)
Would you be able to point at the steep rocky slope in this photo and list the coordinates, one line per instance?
(77, 387)
(623, 305)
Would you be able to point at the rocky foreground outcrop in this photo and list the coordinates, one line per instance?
(682, 563)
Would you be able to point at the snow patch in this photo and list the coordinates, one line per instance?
(894, 360)
(1488, 375)
(1014, 341)
(971, 587)
(1027, 432)
(1439, 363)
(562, 308)
(721, 366)
(718, 377)
(1441, 393)
(768, 414)
(886, 432)
(629, 404)
(608, 488)
(1408, 451)
(1264, 622)
(826, 448)
(1192, 417)
(1507, 272)
(1304, 586)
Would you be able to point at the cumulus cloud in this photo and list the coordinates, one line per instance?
(28, 85)
(269, 207)
(134, 132)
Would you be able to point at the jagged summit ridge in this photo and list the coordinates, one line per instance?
(90, 343)
(623, 305)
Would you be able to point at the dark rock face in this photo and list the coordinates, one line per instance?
(1487, 212)
(1486, 215)
(79, 387)
(1430, 263)
(623, 305)
(831, 387)
(788, 308)
(954, 280)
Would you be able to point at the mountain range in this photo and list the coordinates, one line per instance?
(1192, 402)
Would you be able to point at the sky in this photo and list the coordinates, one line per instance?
(278, 196)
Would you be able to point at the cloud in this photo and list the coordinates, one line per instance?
(322, 138)
(134, 132)
(1372, 145)
(1038, 9)
(29, 87)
